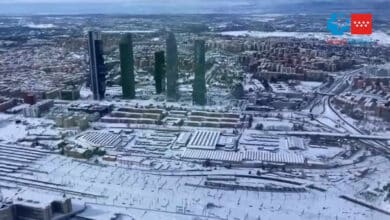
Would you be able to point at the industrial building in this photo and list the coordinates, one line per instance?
(204, 140)
(134, 116)
(36, 210)
(38, 108)
(98, 139)
(213, 119)
(255, 157)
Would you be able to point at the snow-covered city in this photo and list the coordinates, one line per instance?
(194, 114)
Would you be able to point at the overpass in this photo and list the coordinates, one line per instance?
(324, 93)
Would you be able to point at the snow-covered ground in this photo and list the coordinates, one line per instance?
(308, 86)
(167, 187)
(145, 195)
(379, 36)
(40, 26)
(11, 131)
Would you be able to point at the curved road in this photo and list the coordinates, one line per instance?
(339, 85)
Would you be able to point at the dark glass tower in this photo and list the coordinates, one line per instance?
(101, 69)
(127, 66)
(159, 71)
(199, 85)
(97, 67)
(172, 68)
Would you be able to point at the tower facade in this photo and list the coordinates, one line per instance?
(127, 66)
(172, 68)
(97, 76)
(159, 71)
(199, 84)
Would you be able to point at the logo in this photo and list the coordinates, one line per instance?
(356, 24)
(359, 24)
(338, 24)
(351, 41)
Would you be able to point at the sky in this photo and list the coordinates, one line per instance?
(172, 6)
(260, 2)
(182, 2)
(111, 1)
(117, 6)
(122, 1)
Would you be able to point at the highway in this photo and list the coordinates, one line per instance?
(335, 135)
(322, 107)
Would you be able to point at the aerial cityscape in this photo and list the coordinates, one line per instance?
(228, 110)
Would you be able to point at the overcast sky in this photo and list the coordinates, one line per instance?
(160, 1)
(182, 2)
(169, 6)
(112, 1)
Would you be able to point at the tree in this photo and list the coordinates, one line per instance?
(259, 126)
(266, 84)
(238, 91)
(61, 145)
(206, 163)
(87, 154)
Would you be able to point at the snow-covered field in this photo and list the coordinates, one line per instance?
(144, 195)
(40, 26)
(379, 36)
(11, 131)
(308, 86)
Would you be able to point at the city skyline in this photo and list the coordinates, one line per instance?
(194, 110)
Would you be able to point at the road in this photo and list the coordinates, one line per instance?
(322, 107)
(341, 83)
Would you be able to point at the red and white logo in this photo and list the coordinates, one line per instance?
(361, 24)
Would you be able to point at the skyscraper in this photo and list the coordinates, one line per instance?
(172, 68)
(199, 85)
(127, 66)
(159, 71)
(97, 67)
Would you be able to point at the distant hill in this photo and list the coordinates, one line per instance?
(356, 6)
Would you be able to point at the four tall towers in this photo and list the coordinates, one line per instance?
(166, 76)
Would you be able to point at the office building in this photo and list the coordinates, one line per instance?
(199, 85)
(172, 68)
(127, 66)
(159, 71)
(97, 67)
